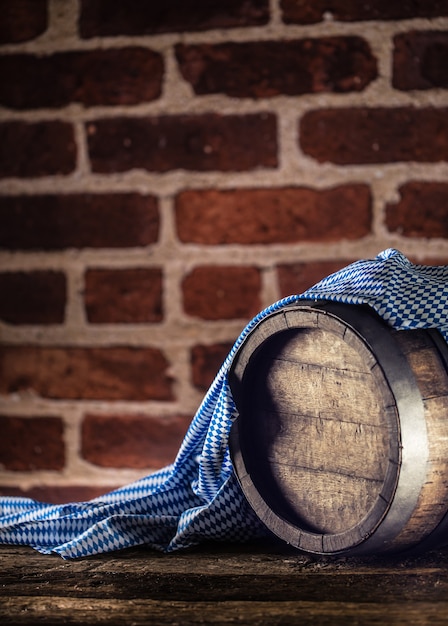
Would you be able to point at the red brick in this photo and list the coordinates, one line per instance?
(206, 362)
(270, 68)
(29, 444)
(36, 149)
(422, 210)
(32, 297)
(420, 60)
(299, 12)
(132, 441)
(22, 20)
(55, 222)
(105, 18)
(129, 296)
(377, 135)
(95, 77)
(264, 216)
(296, 278)
(200, 142)
(113, 373)
(439, 260)
(58, 494)
(215, 293)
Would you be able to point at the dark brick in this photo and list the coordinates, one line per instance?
(32, 297)
(296, 278)
(299, 12)
(22, 20)
(31, 443)
(201, 142)
(55, 222)
(36, 149)
(264, 216)
(422, 210)
(420, 60)
(206, 362)
(129, 296)
(95, 77)
(105, 18)
(215, 293)
(58, 494)
(377, 135)
(270, 68)
(116, 373)
(133, 441)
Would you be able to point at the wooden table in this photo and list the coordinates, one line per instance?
(254, 584)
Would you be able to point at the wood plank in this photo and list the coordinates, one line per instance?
(225, 575)
(328, 445)
(318, 389)
(138, 612)
(260, 583)
(326, 502)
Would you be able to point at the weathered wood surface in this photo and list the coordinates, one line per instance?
(256, 584)
(341, 444)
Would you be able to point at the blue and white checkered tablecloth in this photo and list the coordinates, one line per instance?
(198, 498)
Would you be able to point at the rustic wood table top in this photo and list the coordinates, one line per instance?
(222, 584)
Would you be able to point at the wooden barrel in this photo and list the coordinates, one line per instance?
(341, 443)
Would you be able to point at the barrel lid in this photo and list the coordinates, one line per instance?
(326, 401)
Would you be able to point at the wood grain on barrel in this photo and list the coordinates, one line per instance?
(343, 429)
(323, 414)
(432, 380)
(326, 439)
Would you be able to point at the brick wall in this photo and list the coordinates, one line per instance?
(166, 173)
